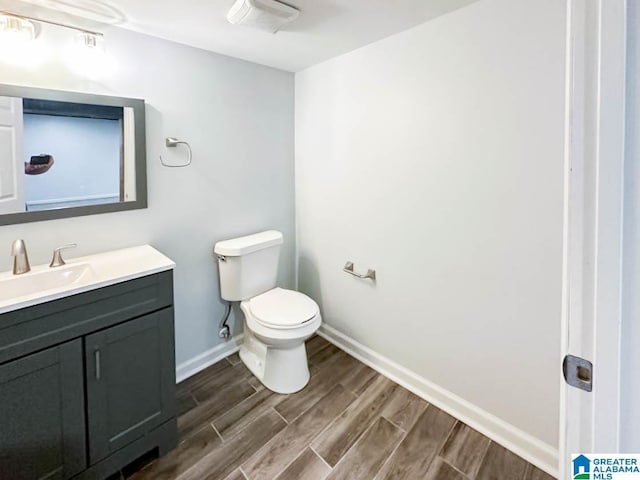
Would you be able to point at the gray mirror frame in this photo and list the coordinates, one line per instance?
(140, 148)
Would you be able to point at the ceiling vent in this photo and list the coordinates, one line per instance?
(267, 15)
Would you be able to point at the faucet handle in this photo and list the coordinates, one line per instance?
(57, 260)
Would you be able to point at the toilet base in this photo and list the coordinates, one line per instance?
(281, 370)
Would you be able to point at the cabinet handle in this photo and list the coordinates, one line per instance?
(97, 358)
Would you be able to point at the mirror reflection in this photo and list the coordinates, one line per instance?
(56, 154)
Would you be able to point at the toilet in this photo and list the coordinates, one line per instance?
(277, 321)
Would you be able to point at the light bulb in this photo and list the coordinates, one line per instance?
(16, 30)
(18, 45)
(87, 56)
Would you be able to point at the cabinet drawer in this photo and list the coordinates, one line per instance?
(42, 425)
(35, 328)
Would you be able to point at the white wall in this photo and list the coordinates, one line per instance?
(630, 355)
(86, 153)
(238, 118)
(435, 156)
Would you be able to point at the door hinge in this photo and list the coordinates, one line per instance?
(578, 372)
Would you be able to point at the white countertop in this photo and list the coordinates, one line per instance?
(96, 271)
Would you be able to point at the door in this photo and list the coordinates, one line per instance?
(12, 197)
(128, 162)
(130, 377)
(42, 423)
(592, 283)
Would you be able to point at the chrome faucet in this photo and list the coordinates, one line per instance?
(20, 257)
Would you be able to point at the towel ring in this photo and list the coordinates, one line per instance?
(172, 142)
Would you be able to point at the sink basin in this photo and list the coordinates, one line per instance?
(43, 284)
(40, 281)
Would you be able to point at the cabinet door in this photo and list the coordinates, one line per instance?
(42, 423)
(130, 381)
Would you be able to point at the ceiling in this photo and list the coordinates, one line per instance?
(324, 29)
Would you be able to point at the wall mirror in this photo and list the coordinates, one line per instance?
(65, 154)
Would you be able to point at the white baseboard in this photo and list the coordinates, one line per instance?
(521, 443)
(208, 358)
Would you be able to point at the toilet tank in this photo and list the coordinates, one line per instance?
(248, 265)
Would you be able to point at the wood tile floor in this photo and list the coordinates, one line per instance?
(348, 423)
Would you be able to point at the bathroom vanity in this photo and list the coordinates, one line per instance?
(87, 370)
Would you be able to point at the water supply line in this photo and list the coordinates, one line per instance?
(225, 331)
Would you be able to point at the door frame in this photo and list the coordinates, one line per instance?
(593, 221)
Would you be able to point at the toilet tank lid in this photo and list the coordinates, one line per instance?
(235, 247)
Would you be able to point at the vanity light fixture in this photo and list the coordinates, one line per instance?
(26, 29)
(85, 56)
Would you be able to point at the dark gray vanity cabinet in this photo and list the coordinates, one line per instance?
(42, 421)
(87, 382)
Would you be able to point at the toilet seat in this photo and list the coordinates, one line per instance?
(283, 309)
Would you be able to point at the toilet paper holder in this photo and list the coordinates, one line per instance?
(349, 268)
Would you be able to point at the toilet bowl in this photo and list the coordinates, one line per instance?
(277, 321)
